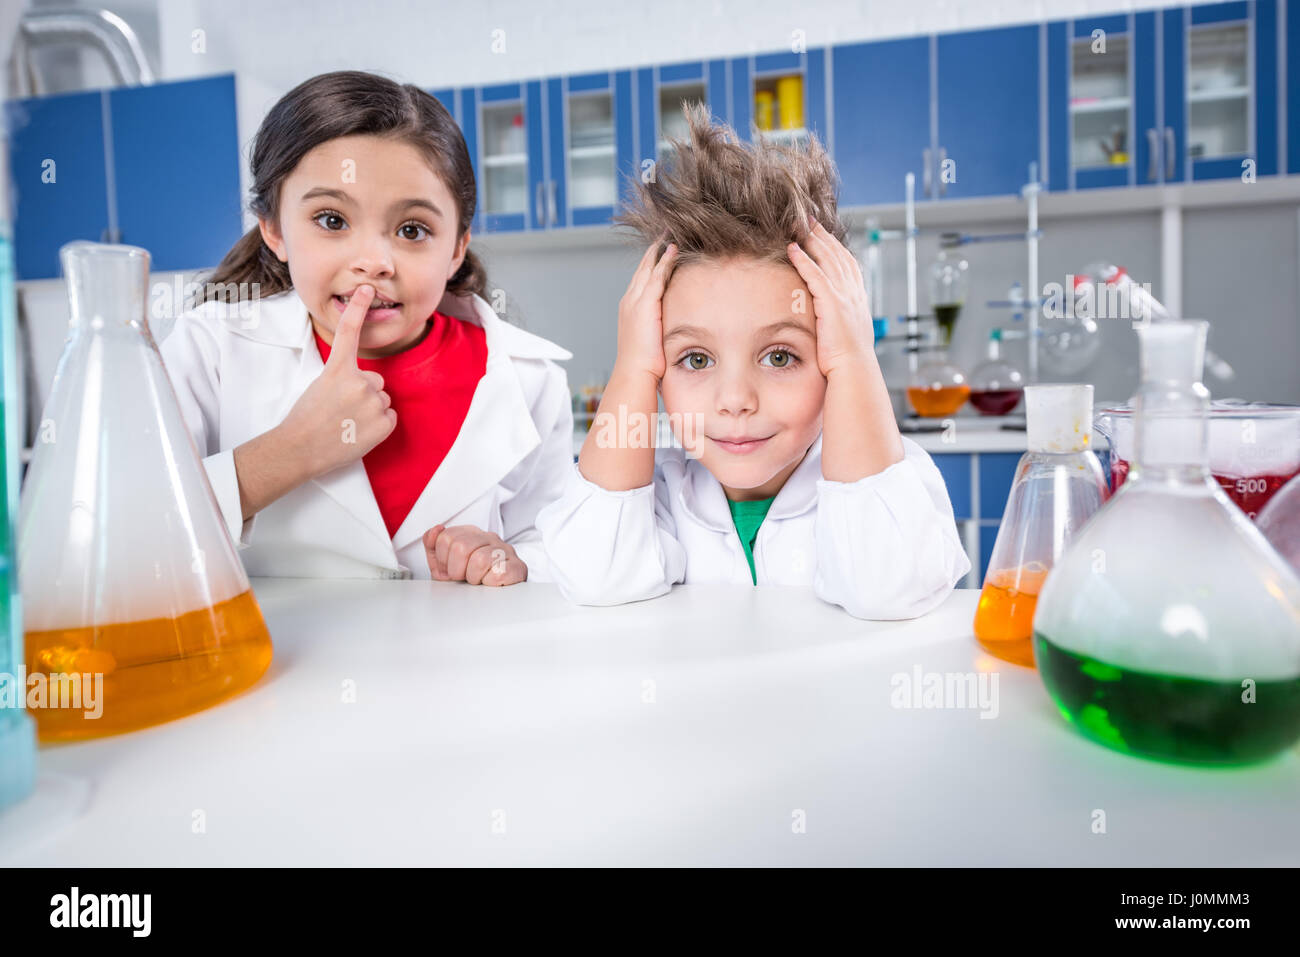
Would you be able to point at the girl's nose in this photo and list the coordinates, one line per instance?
(374, 258)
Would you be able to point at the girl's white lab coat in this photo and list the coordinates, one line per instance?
(236, 376)
(885, 546)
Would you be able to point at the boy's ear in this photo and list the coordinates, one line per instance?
(458, 257)
(272, 237)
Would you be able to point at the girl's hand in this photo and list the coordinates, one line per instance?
(346, 412)
(840, 307)
(640, 314)
(464, 553)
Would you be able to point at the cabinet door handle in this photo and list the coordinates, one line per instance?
(1153, 144)
(539, 206)
(1169, 152)
(925, 175)
(943, 158)
(553, 203)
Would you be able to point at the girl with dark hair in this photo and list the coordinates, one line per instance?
(362, 410)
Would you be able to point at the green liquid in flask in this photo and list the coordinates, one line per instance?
(1170, 717)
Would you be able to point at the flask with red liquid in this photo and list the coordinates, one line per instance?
(996, 386)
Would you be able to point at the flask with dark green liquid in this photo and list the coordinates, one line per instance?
(1170, 628)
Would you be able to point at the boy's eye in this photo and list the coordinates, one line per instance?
(780, 359)
(696, 361)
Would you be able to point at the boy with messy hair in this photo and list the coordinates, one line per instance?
(749, 317)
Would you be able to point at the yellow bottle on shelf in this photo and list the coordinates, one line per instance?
(763, 107)
(789, 98)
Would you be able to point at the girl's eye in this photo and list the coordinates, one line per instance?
(780, 359)
(329, 215)
(420, 226)
(696, 361)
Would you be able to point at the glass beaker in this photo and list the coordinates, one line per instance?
(1170, 628)
(129, 577)
(1057, 487)
(1279, 521)
(938, 387)
(17, 733)
(949, 278)
(996, 386)
(1254, 448)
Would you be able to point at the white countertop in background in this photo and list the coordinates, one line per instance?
(691, 729)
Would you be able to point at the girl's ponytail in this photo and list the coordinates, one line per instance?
(470, 278)
(250, 270)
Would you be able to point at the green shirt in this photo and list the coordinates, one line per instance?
(747, 516)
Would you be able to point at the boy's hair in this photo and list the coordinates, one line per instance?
(717, 197)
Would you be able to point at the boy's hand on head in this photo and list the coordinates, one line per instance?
(840, 306)
(640, 313)
(465, 553)
(345, 412)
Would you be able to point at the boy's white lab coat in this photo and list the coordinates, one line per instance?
(885, 546)
(236, 376)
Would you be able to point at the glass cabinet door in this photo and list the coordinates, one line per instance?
(592, 161)
(1218, 91)
(672, 121)
(1100, 103)
(505, 160)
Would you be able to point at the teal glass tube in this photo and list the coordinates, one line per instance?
(17, 730)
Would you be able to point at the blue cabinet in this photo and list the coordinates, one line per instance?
(591, 150)
(1100, 89)
(960, 110)
(1291, 91)
(661, 92)
(502, 125)
(1184, 94)
(987, 93)
(978, 484)
(175, 161)
(550, 153)
(153, 166)
(60, 181)
(881, 118)
(1221, 113)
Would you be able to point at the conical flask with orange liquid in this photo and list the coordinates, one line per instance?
(1058, 485)
(137, 609)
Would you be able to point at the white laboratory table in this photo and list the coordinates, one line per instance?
(715, 725)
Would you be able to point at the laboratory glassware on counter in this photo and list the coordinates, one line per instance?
(1104, 289)
(996, 386)
(1279, 521)
(1058, 486)
(1254, 448)
(17, 732)
(1170, 628)
(128, 573)
(893, 356)
(938, 386)
(949, 281)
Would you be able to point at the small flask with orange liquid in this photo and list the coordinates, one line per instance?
(938, 387)
(1058, 485)
(136, 607)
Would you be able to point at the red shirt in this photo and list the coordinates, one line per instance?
(431, 385)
